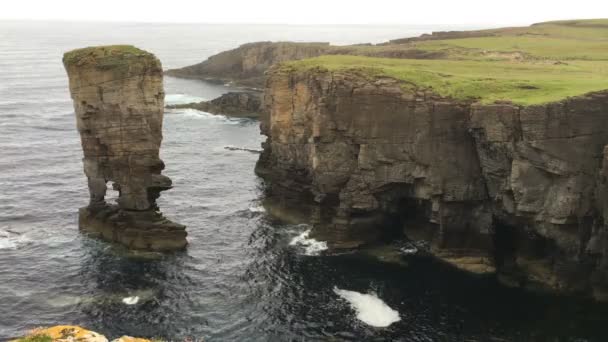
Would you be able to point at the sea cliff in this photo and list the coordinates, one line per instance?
(520, 188)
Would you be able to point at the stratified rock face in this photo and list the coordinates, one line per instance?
(519, 188)
(119, 101)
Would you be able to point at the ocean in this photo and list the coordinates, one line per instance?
(246, 276)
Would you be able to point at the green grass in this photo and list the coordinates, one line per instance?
(557, 40)
(523, 83)
(537, 64)
(535, 46)
(105, 57)
(36, 338)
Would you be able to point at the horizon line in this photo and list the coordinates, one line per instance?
(481, 24)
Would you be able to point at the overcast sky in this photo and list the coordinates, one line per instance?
(406, 12)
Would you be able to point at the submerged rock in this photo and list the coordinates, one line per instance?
(119, 102)
(239, 104)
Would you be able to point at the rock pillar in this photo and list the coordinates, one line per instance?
(119, 99)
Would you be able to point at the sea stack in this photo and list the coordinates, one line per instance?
(119, 99)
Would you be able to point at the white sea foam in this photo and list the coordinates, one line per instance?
(173, 99)
(131, 300)
(194, 113)
(311, 246)
(10, 240)
(370, 309)
(257, 209)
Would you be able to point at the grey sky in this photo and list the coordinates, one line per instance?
(487, 12)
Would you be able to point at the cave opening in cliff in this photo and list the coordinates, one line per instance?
(406, 215)
(505, 240)
(515, 246)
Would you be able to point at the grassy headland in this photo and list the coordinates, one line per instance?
(527, 65)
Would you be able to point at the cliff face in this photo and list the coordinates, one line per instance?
(517, 188)
(119, 101)
(246, 64)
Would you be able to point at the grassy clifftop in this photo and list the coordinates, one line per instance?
(107, 57)
(541, 63)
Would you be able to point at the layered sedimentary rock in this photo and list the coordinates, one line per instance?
(517, 188)
(119, 101)
(240, 104)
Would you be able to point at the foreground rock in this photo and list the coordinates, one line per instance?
(239, 104)
(71, 333)
(119, 101)
(517, 189)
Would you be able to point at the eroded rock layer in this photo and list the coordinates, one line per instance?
(119, 101)
(517, 188)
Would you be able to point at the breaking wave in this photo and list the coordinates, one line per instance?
(311, 246)
(370, 309)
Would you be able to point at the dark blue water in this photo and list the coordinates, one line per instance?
(241, 279)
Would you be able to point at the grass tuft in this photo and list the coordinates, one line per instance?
(36, 338)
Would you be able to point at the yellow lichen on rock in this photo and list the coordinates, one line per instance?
(71, 333)
(65, 333)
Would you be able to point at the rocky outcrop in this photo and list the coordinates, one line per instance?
(119, 101)
(239, 104)
(520, 189)
(245, 65)
(71, 333)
